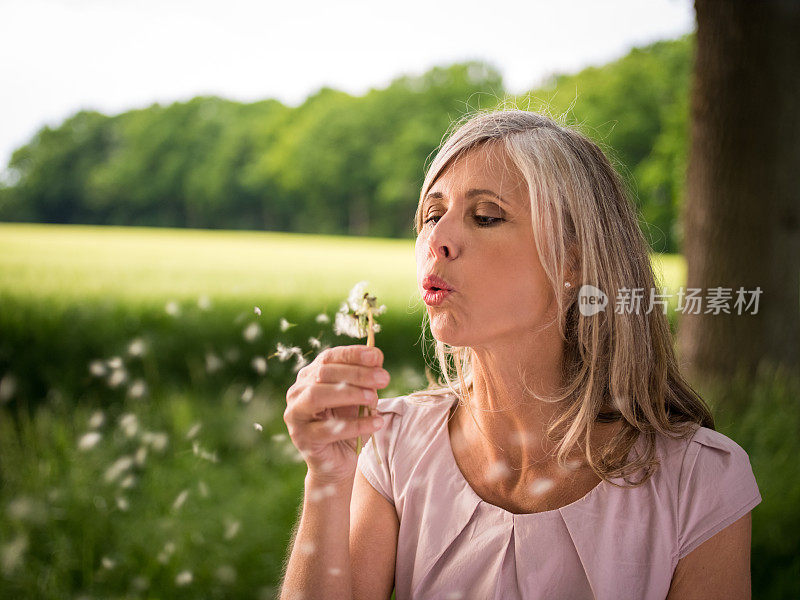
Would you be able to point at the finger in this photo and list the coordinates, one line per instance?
(367, 377)
(334, 430)
(368, 356)
(315, 399)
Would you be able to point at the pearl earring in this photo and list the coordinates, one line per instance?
(567, 284)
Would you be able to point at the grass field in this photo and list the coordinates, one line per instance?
(156, 484)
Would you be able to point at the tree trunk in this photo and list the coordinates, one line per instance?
(742, 211)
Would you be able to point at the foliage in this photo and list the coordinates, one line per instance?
(337, 163)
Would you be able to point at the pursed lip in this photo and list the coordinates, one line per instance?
(433, 282)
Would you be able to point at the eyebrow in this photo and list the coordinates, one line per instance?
(470, 194)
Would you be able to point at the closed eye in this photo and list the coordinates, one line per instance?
(481, 220)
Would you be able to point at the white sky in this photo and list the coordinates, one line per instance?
(59, 56)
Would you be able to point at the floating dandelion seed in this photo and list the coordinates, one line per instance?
(335, 571)
(97, 419)
(137, 347)
(128, 482)
(284, 353)
(231, 529)
(278, 437)
(307, 548)
(168, 550)
(314, 342)
(115, 362)
(251, 332)
(540, 485)
(193, 430)
(323, 318)
(129, 424)
(202, 488)
(172, 308)
(213, 363)
(117, 377)
(107, 563)
(97, 368)
(284, 324)
(184, 578)
(257, 310)
(138, 389)
(356, 318)
(180, 500)
(204, 302)
(247, 394)
(258, 427)
(157, 440)
(122, 503)
(301, 362)
(497, 470)
(119, 466)
(259, 363)
(89, 440)
(225, 574)
(141, 455)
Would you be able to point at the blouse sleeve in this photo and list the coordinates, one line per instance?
(378, 452)
(717, 487)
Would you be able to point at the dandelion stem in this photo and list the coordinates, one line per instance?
(370, 343)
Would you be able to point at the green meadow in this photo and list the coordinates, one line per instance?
(143, 452)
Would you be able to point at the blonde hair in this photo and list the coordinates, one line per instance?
(616, 366)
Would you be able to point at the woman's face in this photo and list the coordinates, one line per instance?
(477, 236)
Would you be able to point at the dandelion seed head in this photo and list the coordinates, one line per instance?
(97, 368)
(541, 485)
(204, 302)
(172, 308)
(213, 363)
(247, 394)
(355, 299)
(258, 427)
(345, 324)
(257, 310)
(180, 500)
(138, 389)
(137, 347)
(184, 578)
(193, 430)
(284, 324)
(259, 364)
(97, 419)
(89, 440)
(323, 318)
(251, 332)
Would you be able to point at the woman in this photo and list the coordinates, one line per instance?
(566, 457)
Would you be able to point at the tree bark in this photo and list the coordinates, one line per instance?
(742, 211)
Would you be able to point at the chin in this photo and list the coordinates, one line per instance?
(445, 330)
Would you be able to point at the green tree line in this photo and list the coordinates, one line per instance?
(337, 163)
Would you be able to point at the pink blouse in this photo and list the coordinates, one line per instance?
(611, 544)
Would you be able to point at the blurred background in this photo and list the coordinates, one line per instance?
(189, 190)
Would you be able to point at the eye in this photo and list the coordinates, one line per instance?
(486, 221)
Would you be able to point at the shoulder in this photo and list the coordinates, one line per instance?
(716, 486)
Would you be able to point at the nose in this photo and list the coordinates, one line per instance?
(441, 243)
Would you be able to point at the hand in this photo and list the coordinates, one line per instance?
(322, 409)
